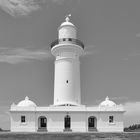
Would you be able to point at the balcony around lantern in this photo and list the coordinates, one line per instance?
(67, 40)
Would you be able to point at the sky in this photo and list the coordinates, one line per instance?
(110, 30)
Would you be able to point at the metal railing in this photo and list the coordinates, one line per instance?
(71, 40)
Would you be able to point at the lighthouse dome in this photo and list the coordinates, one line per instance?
(26, 103)
(107, 103)
(67, 23)
(67, 29)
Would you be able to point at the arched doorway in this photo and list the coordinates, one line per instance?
(42, 123)
(92, 123)
(67, 123)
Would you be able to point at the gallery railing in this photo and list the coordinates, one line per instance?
(71, 40)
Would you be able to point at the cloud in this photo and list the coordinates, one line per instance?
(132, 54)
(132, 114)
(123, 98)
(20, 7)
(138, 35)
(18, 55)
(115, 99)
(132, 108)
(125, 59)
(86, 53)
(59, 2)
(90, 50)
(5, 117)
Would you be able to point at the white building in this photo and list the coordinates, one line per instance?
(67, 113)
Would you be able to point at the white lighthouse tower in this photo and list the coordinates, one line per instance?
(67, 50)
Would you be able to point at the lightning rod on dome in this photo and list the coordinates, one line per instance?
(26, 98)
(67, 17)
(107, 98)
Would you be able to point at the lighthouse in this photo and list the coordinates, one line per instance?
(67, 49)
(67, 114)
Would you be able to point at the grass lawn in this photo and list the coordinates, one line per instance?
(69, 136)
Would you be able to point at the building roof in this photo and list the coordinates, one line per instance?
(26, 103)
(107, 103)
(82, 108)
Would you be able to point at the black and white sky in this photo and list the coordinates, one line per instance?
(110, 30)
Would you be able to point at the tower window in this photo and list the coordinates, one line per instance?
(111, 119)
(22, 119)
(70, 39)
(67, 81)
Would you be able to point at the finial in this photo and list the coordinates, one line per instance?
(13, 104)
(26, 98)
(67, 18)
(107, 98)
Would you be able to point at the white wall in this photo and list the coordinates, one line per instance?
(17, 126)
(78, 121)
(55, 121)
(105, 126)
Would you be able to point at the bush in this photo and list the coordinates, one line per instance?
(132, 127)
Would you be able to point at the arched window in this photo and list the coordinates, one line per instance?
(42, 123)
(67, 122)
(92, 123)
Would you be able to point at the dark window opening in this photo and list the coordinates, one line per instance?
(43, 122)
(91, 122)
(67, 122)
(23, 119)
(111, 119)
(70, 39)
(67, 81)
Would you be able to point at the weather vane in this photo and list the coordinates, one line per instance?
(67, 17)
